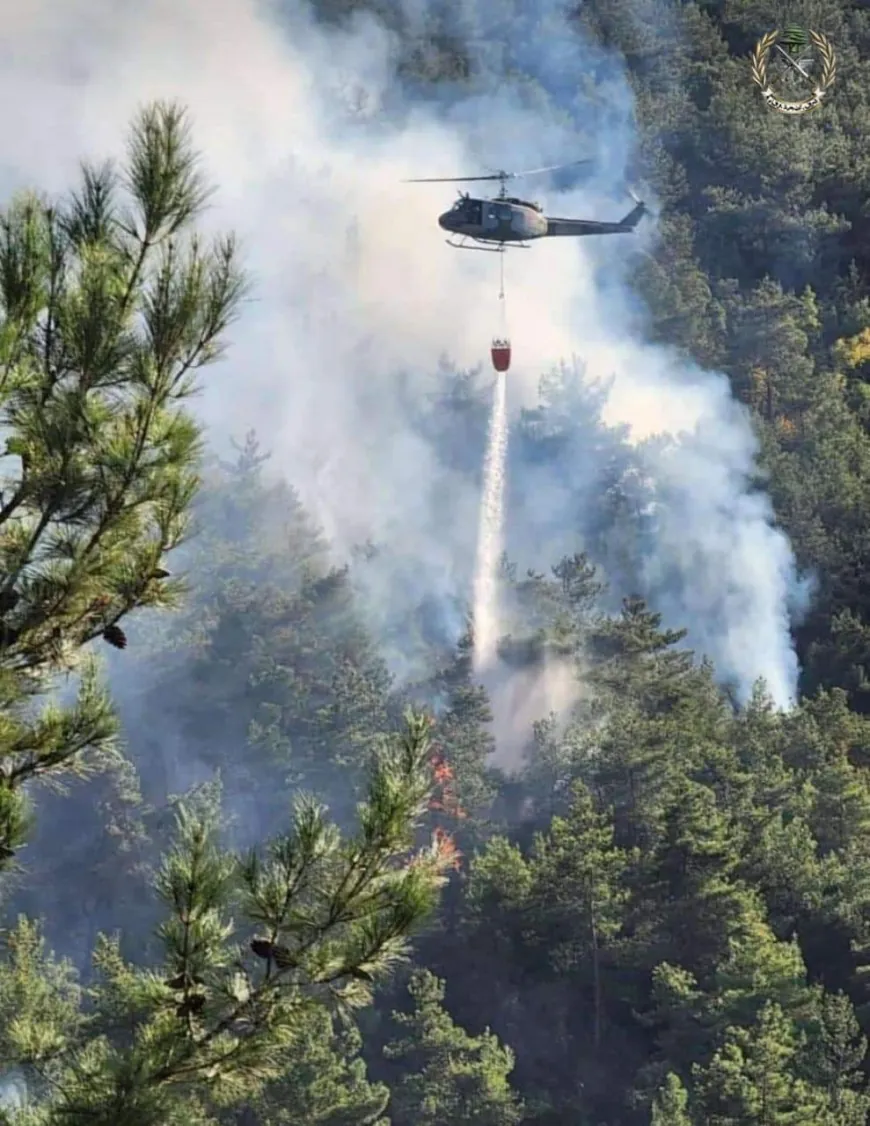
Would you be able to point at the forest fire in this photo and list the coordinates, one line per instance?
(445, 847)
(444, 800)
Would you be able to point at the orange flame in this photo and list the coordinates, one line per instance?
(446, 801)
(445, 847)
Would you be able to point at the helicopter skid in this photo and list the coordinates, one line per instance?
(499, 249)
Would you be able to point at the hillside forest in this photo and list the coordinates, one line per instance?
(345, 914)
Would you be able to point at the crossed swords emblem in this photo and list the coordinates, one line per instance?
(794, 64)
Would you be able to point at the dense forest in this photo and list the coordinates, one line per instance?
(252, 877)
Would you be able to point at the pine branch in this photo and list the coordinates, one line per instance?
(94, 407)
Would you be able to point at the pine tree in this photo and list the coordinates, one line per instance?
(272, 655)
(557, 609)
(772, 800)
(659, 710)
(548, 625)
(253, 950)
(757, 969)
(323, 1083)
(834, 1062)
(552, 920)
(578, 897)
(463, 738)
(753, 1080)
(692, 902)
(670, 1106)
(251, 529)
(110, 306)
(451, 1076)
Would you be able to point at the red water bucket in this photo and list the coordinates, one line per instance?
(501, 355)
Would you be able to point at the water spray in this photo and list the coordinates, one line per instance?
(486, 610)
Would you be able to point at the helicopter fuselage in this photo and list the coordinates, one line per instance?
(505, 221)
(494, 220)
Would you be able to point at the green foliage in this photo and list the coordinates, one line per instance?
(109, 306)
(751, 1081)
(452, 1076)
(463, 737)
(256, 952)
(670, 1105)
(323, 1081)
(40, 998)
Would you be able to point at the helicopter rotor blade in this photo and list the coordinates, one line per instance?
(547, 168)
(455, 179)
(502, 175)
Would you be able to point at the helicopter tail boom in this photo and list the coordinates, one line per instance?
(634, 216)
(576, 228)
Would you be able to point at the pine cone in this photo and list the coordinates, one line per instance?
(193, 1005)
(183, 981)
(115, 636)
(161, 574)
(279, 954)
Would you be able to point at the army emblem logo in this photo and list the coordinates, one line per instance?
(795, 62)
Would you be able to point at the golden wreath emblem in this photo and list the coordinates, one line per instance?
(758, 66)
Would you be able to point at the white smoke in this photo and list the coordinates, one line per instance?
(490, 538)
(13, 1090)
(301, 132)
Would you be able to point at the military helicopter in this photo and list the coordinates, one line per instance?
(506, 222)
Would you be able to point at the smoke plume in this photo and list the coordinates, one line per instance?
(308, 135)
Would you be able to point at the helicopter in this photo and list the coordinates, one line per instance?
(506, 222)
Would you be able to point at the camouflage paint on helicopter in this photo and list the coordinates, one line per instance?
(508, 221)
